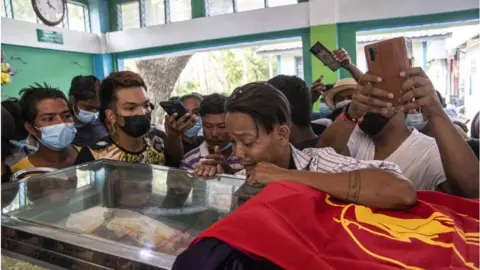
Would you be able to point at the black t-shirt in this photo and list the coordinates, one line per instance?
(306, 144)
(6, 175)
(474, 144)
(90, 134)
(106, 148)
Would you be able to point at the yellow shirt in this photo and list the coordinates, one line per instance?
(25, 163)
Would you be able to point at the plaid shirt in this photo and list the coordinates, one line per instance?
(326, 160)
(195, 156)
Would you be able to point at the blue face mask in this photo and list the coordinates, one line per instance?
(58, 137)
(416, 121)
(194, 130)
(86, 117)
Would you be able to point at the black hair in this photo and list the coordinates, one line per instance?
(475, 126)
(116, 81)
(442, 99)
(29, 97)
(212, 104)
(335, 113)
(263, 102)
(84, 87)
(174, 98)
(12, 105)
(192, 95)
(299, 97)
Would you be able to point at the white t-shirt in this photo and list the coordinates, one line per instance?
(418, 157)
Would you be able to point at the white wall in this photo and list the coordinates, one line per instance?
(21, 33)
(296, 16)
(288, 64)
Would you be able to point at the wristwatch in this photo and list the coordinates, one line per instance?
(348, 118)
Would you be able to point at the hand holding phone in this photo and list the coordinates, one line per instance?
(174, 106)
(324, 55)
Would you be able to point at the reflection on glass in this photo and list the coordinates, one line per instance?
(130, 15)
(246, 5)
(154, 208)
(180, 10)
(155, 12)
(219, 7)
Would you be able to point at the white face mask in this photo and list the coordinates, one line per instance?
(342, 103)
(86, 117)
(416, 121)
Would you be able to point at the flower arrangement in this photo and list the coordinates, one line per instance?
(7, 71)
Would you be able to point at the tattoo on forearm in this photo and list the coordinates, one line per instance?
(354, 187)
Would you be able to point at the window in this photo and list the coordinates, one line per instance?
(299, 66)
(219, 7)
(277, 3)
(23, 11)
(246, 5)
(180, 10)
(155, 12)
(130, 13)
(76, 15)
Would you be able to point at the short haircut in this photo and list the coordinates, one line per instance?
(174, 98)
(29, 97)
(335, 113)
(299, 97)
(263, 102)
(114, 82)
(192, 95)
(212, 104)
(84, 87)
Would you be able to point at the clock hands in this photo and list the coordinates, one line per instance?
(50, 5)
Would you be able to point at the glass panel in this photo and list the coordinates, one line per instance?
(299, 66)
(155, 12)
(23, 11)
(277, 3)
(245, 5)
(3, 9)
(180, 10)
(130, 15)
(219, 7)
(76, 17)
(151, 207)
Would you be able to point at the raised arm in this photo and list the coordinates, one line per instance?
(459, 162)
(342, 56)
(173, 142)
(370, 187)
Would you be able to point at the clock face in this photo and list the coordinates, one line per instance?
(51, 12)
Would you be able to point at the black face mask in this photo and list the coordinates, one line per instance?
(137, 125)
(6, 175)
(373, 123)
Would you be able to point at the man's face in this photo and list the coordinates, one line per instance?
(91, 105)
(251, 144)
(214, 130)
(192, 105)
(130, 101)
(344, 95)
(50, 111)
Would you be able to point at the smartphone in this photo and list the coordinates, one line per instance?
(326, 56)
(174, 106)
(387, 59)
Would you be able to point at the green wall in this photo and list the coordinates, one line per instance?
(327, 35)
(56, 68)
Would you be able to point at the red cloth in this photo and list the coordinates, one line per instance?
(297, 227)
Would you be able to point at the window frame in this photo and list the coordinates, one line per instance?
(10, 13)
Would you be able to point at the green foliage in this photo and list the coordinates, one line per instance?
(186, 88)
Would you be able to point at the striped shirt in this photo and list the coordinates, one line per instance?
(326, 160)
(196, 156)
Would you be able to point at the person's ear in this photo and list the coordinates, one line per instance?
(110, 116)
(30, 129)
(283, 134)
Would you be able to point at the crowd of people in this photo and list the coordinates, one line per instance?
(263, 130)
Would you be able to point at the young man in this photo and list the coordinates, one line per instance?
(85, 103)
(258, 122)
(191, 138)
(375, 130)
(216, 149)
(296, 90)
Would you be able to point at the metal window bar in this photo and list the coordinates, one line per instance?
(266, 4)
(119, 17)
(86, 18)
(8, 8)
(65, 18)
(143, 15)
(235, 9)
(167, 11)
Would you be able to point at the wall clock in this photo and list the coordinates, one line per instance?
(50, 12)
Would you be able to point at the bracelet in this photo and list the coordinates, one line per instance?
(347, 118)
